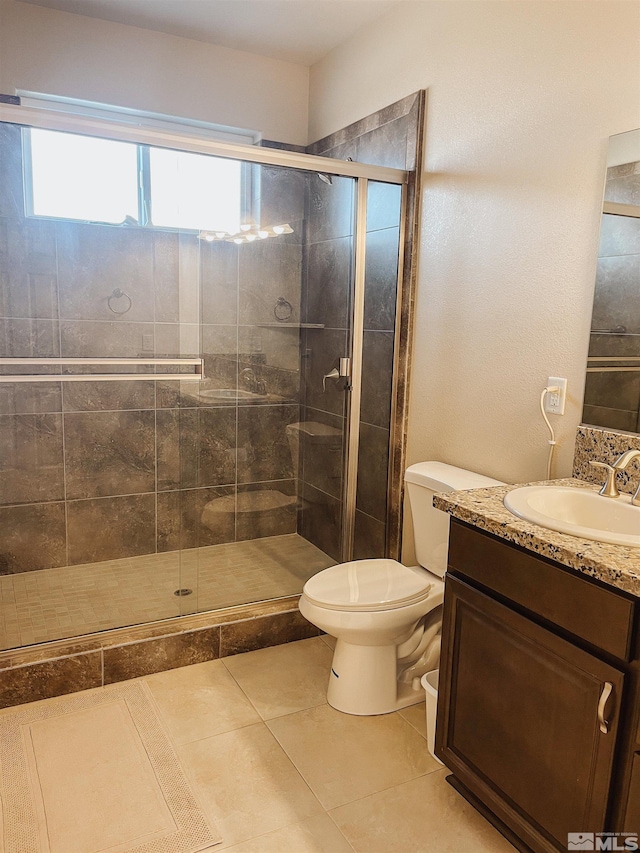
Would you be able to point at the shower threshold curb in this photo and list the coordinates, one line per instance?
(65, 666)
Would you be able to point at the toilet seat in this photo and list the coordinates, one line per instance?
(368, 585)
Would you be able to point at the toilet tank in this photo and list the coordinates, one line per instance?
(431, 526)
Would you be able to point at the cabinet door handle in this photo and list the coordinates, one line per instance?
(607, 690)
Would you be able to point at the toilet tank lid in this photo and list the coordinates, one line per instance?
(440, 477)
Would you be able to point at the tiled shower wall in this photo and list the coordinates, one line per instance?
(326, 301)
(613, 399)
(94, 471)
(387, 138)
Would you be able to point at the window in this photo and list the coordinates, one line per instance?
(81, 177)
(70, 176)
(194, 191)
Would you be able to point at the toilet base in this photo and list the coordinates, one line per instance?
(363, 681)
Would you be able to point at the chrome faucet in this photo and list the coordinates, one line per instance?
(255, 385)
(610, 487)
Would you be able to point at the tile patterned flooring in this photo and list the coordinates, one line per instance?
(279, 771)
(40, 606)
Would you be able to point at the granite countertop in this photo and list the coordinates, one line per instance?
(483, 508)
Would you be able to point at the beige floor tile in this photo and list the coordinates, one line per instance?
(200, 700)
(424, 815)
(330, 641)
(318, 835)
(416, 716)
(284, 679)
(94, 771)
(344, 758)
(246, 784)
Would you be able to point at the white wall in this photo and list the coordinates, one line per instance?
(44, 50)
(521, 99)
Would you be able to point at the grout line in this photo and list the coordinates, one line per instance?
(333, 820)
(409, 721)
(62, 417)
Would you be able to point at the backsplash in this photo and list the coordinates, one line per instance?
(604, 445)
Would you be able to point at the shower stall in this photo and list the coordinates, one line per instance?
(198, 371)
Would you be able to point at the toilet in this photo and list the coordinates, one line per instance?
(385, 616)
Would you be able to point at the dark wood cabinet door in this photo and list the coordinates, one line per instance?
(518, 719)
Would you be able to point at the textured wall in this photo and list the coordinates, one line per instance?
(57, 53)
(521, 100)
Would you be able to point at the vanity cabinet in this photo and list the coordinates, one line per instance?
(538, 689)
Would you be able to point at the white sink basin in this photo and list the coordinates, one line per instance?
(578, 512)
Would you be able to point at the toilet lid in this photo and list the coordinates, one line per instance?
(367, 585)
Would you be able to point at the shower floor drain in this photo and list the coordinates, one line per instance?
(181, 592)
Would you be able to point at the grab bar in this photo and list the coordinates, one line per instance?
(196, 376)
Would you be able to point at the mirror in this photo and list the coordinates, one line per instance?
(612, 391)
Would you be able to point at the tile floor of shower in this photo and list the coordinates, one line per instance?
(41, 606)
(277, 770)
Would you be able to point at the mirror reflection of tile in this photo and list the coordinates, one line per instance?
(612, 398)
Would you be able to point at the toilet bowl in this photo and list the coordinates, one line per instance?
(385, 616)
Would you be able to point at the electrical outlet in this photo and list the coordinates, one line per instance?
(555, 401)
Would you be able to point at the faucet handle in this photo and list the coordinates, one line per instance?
(625, 458)
(333, 374)
(610, 487)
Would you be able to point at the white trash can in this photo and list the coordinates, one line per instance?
(430, 684)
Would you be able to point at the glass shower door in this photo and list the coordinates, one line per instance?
(327, 341)
(86, 288)
(263, 510)
(134, 497)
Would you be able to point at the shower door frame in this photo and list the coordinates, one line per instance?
(360, 172)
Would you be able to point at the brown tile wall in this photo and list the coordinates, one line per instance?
(391, 137)
(101, 470)
(54, 669)
(613, 399)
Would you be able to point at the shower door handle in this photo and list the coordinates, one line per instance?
(343, 371)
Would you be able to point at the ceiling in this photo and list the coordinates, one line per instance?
(301, 31)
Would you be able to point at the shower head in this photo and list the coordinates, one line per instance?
(326, 179)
